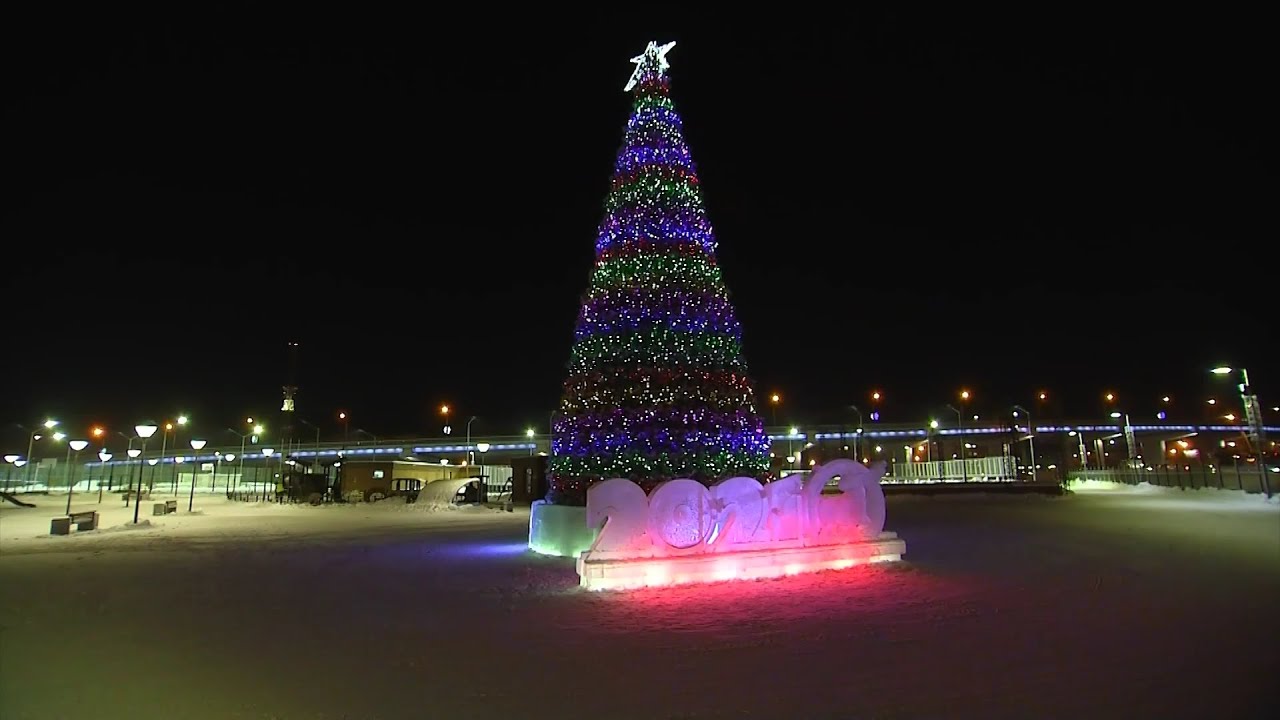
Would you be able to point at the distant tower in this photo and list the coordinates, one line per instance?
(287, 418)
(292, 388)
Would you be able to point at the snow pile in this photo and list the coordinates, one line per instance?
(1225, 496)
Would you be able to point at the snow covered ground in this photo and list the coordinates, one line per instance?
(1112, 602)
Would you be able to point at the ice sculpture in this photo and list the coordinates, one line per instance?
(738, 528)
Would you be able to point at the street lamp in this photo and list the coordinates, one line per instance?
(471, 456)
(483, 495)
(317, 429)
(774, 399)
(1253, 416)
(198, 445)
(444, 412)
(1031, 436)
(48, 425)
(9, 462)
(105, 457)
(960, 423)
(856, 452)
(266, 454)
(144, 431)
(76, 445)
(1130, 443)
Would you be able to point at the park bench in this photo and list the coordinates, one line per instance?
(164, 508)
(87, 520)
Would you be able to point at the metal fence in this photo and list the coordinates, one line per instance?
(1248, 477)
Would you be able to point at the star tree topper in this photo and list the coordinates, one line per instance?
(654, 55)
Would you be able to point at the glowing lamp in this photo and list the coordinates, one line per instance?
(133, 452)
(152, 461)
(11, 458)
(198, 444)
(59, 435)
(1223, 370)
(182, 419)
(49, 424)
(230, 457)
(145, 431)
(268, 452)
(78, 445)
(483, 447)
(104, 456)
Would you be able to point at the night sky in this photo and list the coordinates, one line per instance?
(908, 202)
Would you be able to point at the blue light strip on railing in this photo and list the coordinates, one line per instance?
(360, 452)
(465, 448)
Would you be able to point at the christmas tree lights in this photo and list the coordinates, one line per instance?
(657, 385)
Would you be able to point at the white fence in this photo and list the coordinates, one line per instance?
(984, 469)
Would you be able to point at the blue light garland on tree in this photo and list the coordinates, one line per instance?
(657, 385)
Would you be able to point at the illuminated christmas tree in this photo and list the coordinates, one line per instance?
(657, 385)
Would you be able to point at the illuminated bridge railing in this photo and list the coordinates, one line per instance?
(985, 469)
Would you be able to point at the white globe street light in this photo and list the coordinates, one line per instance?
(266, 455)
(198, 444)
(144, 431)
(12, 460)
(76, 445)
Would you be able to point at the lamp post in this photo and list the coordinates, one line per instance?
(317, 429)
(483, 495)
(105, 457)
(1131, 448)
(266, 455)
(529, 434)
(1031, 437)
(133, 454)
(254, 432)
(1253, 416)
(8, 471)
(182, 421)
(31, 445)
(229, 457)
(76, 445)
(164, 441)
(856, 452)
(144, 433)
(444, 413)
(964, 471)
(774, 399)
(471, 456)
(198, 445)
